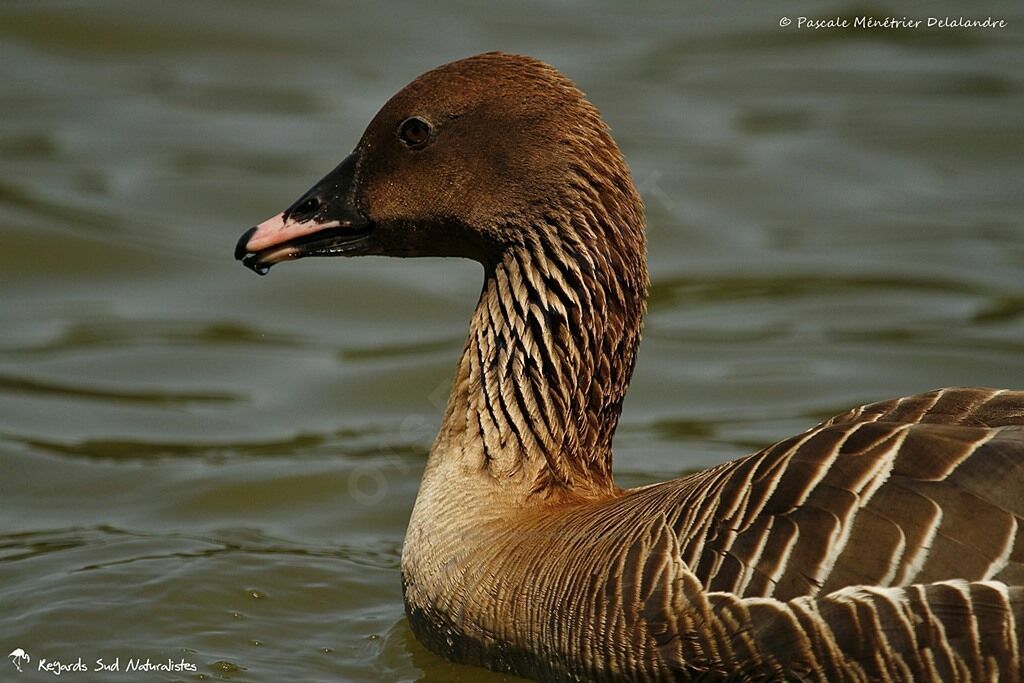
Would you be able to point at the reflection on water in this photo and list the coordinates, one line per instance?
(197, 463)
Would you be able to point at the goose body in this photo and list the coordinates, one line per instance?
(884, 544)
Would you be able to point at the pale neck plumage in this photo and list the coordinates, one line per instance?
(551, 348)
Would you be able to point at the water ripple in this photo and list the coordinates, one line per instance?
(23, 385)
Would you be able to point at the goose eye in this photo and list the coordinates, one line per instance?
(414, 132)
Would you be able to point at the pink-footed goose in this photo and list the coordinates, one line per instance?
(884, 544)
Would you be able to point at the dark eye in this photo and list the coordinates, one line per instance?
(414, 132)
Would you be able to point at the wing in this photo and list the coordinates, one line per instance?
(910, 491)
(945, 631)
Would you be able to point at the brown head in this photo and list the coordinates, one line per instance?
(466, 160)
(501, 159)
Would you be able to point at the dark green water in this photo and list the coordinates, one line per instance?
(199, 464)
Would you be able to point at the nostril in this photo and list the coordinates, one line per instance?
(306, 208)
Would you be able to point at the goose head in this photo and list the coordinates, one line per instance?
(501, 159)
(468, 160)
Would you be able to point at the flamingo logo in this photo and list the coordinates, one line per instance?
(19, 657)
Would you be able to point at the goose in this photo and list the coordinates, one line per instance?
(883, 544)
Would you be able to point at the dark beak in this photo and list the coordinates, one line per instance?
(323, 222)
